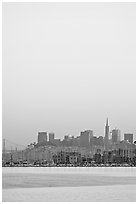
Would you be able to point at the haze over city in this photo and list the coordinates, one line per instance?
(67, 67)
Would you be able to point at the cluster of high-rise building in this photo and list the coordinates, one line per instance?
(86, 145)
(85, 139)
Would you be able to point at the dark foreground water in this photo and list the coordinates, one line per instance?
(69, 184)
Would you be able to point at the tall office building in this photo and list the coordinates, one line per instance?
(85, 138)
(42, 137)
(51, 137)
(115, 135)
(106, 138)
(129, 137)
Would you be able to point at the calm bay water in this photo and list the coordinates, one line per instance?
(69, 184)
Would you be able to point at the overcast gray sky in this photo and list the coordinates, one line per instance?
(66, 67)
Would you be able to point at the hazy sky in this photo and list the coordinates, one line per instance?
(66, 67)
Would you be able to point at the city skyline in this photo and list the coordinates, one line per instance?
(113, 135)
(66, 67)
(107, 132)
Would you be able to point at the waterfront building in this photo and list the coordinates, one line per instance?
(97, 149)
(66, 157)
(126, 149)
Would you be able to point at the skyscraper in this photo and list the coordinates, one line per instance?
(85, 138)
(115, 135)
(129, 137)
(42, 137)
(106, 138)
(51, 137)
